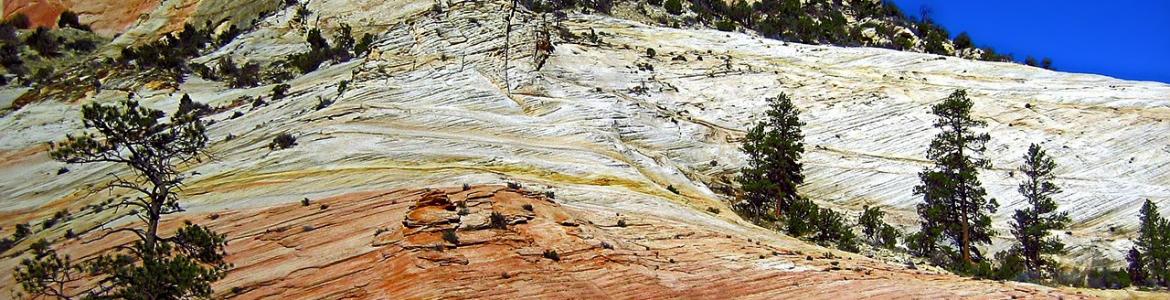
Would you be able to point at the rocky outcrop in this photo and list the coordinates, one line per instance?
(509, 243)
(105, 17)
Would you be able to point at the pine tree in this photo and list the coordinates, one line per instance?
(954, 199)
(786, 170)
(1150, 257)
(774, 147)
(758, 190)
(154, 266)
(1033, 224)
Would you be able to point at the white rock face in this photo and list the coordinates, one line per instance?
(431, 108)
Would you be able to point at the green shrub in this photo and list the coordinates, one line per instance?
(725, 25)
(963, 41)
(190, 107)
(68, 19)
(498, 220)
(450, 237)
(673, 7)
(280, 91)
(801, 217)
(18, 20)
(22, 231)
(876, 230)
(552, 254)
(43, 42)
(282, 141)
(832, 230)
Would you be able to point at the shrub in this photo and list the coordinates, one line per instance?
(46, 224)
(713, 210)
(43, 41)
(650, 52)
(831, 229)
(8, 34)
(6, 243)
(672, 189)
(621, 223)
(363, 47)
(888, 237)
(498, 220)
(342, 87)
(280, 91)
(801, 216)
(69, 19)
(673, 7)
(963, 41)
(227, 36)
(725, 25)
(322, 103)
(550, 194)
(527, 207)
(305, 202)
(282, 141)
(875, 229)
(19, 20)
(514, 185)
(450, 237)
(552, 254)
(22, 231)
(324, 206)
(1009, 266)
(249, 76)
(1105, 278)
(1031, 61)
(188, 106)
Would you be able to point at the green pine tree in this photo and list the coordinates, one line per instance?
(1033, 224)
(155, 265)
(955, 203)
(774, 147)
(786, 171)
(758, 190)
(1150, 257)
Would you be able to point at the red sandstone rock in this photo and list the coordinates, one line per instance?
(359, 248)
(106, 17)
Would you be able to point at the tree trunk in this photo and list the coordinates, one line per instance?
(508, 46)
(966, 242)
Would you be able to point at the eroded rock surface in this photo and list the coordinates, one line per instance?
(431, 106)
(390, 245)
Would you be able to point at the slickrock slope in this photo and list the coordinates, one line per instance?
(431, 107)
(389, 245)
(106, 17)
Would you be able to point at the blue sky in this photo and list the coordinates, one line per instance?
(1127, 39)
